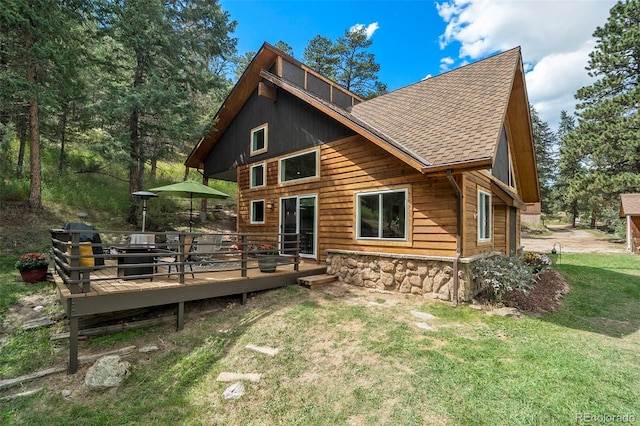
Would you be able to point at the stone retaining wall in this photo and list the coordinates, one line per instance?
(428, 276)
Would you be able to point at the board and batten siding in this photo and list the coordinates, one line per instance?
(349, 166)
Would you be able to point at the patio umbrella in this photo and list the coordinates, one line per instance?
(189, 189)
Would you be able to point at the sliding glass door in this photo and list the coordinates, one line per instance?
(298, 216)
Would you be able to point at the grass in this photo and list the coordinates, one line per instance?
(353, 357)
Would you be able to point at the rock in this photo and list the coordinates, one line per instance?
(147, 349)
(66, 393)
(386, 278)
(405, 287)
(387, 267)
(234, 391)
(412, 265)
(109, 371)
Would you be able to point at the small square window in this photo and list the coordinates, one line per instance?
(257, 211)
(259, 139)
(258, 175)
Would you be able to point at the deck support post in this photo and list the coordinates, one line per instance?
(244, 298)
(73, 345)
(180, 316)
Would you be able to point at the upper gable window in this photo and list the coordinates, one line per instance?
(259, 139)
(301, 166)
(258, 175)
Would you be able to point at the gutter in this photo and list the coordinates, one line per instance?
(456, 280)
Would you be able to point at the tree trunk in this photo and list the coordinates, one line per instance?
(35, 174)
(21, 129)
(574, 212)
(62, 129)
(154, 167)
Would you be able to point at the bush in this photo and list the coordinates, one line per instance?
(537, 261)
(502, 274)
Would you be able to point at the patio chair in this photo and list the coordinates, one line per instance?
(207, 245)
(143, 240)
(171, 258)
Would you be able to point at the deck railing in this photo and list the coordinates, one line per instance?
(84, 256)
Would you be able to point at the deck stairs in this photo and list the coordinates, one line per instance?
(314, 282)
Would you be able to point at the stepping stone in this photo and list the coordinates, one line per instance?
(424, 326)
(263, 349)
(234, 377)
(422, 315)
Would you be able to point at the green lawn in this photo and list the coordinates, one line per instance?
(354, 357)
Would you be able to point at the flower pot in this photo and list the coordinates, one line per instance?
(34, 275)
(267, 263)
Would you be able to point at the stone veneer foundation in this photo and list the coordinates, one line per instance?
(428, 276)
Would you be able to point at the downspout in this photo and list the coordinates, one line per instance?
(456, 280)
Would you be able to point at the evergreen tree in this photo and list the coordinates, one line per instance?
(544, 142)
(164, 59)
(565, 193)
(606, 137)
(40, 53)
(347, 62)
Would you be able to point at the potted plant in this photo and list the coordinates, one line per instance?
(267, 257)
(32, 267)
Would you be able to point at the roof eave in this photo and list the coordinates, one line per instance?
(460, 166)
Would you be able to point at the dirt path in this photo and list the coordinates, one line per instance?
(574, 241)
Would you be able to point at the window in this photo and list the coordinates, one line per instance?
(259, 138)
(484, 216)
(382, 215)
(257, 211)
(258, 175)
(301, 166)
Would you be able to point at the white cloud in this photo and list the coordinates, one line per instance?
(555, 37)
(445, 63)
(369, 29)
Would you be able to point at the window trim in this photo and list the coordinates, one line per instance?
(300, 154)
(264, 175)
(380, 193)
(253, 152)
(252, 210)
(486, 196)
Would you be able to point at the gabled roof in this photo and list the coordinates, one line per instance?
(629, 205)
(455, 117)
(451, 121)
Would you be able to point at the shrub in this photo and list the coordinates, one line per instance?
(501, 274)
(537, 261)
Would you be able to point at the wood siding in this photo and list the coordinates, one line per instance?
(348, 166)
(293, 125)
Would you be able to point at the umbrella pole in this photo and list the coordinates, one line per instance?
(191, 213)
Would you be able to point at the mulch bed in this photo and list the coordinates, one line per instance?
(545, 296)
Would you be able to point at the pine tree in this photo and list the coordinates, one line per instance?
(606, 137)
(544, 142)
(347, 61)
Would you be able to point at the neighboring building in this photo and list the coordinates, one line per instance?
(630, 210)
(532, 213)
(398, 192)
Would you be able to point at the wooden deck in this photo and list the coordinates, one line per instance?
(121, 278)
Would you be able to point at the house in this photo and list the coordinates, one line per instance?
(630, 210)
(532, 213)
(401, 192)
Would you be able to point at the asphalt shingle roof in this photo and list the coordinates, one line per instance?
(451, 118)
(630, 204)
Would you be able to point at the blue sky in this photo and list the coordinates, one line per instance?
(413, 39)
